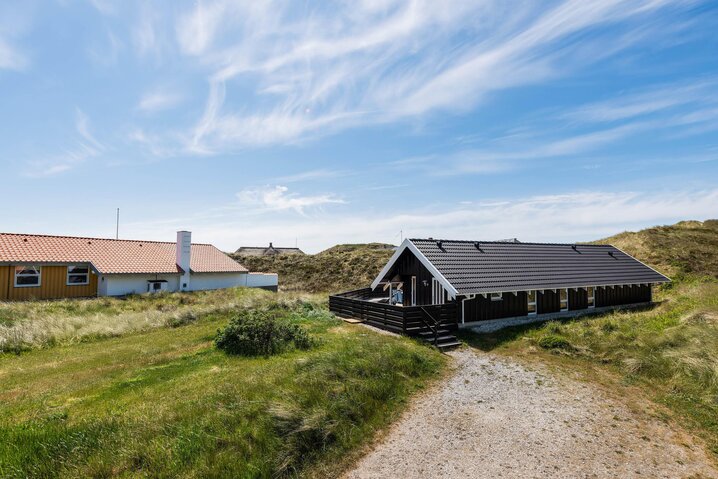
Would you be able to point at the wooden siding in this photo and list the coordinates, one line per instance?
(619, 295)
(548, 301)
(407, 266)
(577, 299)
(4, 282)
(482, 309)
(53, 285)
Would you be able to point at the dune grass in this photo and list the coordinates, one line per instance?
(670, 350)
(167, 403)
(38, 324)
(340, 268)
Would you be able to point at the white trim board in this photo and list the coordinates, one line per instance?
(407, 244)
(644, 264)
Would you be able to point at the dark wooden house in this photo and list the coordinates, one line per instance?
(432, 287)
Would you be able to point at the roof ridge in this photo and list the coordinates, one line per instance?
(36, 235)
(506, 242)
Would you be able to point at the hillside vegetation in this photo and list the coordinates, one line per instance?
(686, 248)
(670, 350)
(340, 268)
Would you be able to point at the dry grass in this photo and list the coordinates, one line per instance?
(686, 248)
(38, 324)
(339, 268)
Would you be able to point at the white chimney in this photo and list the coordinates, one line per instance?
(184, 254)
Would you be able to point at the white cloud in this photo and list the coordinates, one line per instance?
(277, 198)
(568, 217)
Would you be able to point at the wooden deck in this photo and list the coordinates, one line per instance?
(433, 323)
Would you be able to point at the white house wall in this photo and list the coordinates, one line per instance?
(123, 284)
(204, 281)
(262, 280)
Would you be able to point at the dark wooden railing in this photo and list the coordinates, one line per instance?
(401, 319)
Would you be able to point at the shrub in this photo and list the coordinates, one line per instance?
(258, 333)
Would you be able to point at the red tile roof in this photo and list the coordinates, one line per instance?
(111, 256)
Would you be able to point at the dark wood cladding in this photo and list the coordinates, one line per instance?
(400, 319)
(406, 266)
(577, 299)
(482, 309)
(621, 295)
(548, 301)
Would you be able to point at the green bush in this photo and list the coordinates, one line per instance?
(259, 333)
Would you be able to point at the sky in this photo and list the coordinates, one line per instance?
(317, 123)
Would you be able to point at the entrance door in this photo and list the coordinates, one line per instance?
(413, 290)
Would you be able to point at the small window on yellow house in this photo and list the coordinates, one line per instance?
(78, 275)
(27, 276)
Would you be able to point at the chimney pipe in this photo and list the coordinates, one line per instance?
(184, 256)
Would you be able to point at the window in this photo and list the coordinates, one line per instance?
(531, 300)
(591, 297)
(497, 296)
(27, 276)
(564, 299)
(437, 292)
(77, 275)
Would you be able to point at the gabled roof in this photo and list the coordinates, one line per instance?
(266, 250)
(472, 267)
(110, 256)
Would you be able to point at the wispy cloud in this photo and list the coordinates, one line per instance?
(648, 101)
(158, 99)
(107, 52)
(278, 198)
(13, 24)
(319, 174)
(11, 58)
(85, 147)
(322, 71)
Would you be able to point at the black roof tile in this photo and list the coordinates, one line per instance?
(495, 266)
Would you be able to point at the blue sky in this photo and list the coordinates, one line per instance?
(351, 121)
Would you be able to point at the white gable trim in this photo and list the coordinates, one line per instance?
(644, 264)
(407, 244)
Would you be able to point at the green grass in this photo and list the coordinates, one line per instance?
(671, 350)
(167, 403)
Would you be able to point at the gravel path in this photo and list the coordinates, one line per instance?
(496, 418)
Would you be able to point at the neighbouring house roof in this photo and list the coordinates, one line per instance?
(472, 267)
(266, 250)
(110, 256)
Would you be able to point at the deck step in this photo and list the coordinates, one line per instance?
(449, 345)
(351, 320)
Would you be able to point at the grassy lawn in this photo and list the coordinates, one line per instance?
(166, 403)
(670, 351)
